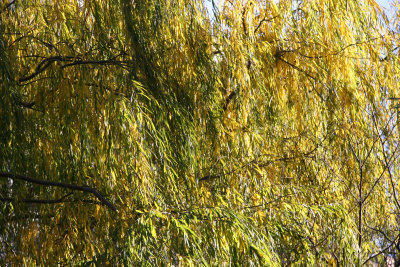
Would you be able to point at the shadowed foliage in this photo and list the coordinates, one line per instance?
(168, 133)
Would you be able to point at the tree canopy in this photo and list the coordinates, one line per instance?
(163, 132)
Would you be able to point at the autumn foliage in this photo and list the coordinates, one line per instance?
(190, 133)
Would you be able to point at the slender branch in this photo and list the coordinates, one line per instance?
(8, 5)
(258, 164)
(99, 62)
(311, 78)
(42, 67)
(72, 61)
(59, 184)
(337, 52)
(387, 163)
(369, 152)
(261, 164)
(386, 167)
(339, 177)
(264, 20)
(380, 252)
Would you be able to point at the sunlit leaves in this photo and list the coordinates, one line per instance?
(256, 135)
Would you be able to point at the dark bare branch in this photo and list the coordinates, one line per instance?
(8, 5)
(86, 189)
(264, 20)
(70, 61)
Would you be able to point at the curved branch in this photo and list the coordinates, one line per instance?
(264, 20)
(70, 61)
(42, 66)
(86, 189)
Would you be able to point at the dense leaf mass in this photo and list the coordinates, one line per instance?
(188, 133)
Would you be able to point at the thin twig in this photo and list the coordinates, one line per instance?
(264, 20)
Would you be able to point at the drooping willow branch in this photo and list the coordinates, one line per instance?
(86, 189)
(70, 61)
(255, 162)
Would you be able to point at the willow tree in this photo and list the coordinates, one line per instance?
(159, 132)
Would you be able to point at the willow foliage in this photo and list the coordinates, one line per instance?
(161, 133)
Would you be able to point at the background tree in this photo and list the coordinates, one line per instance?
(153, 132)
